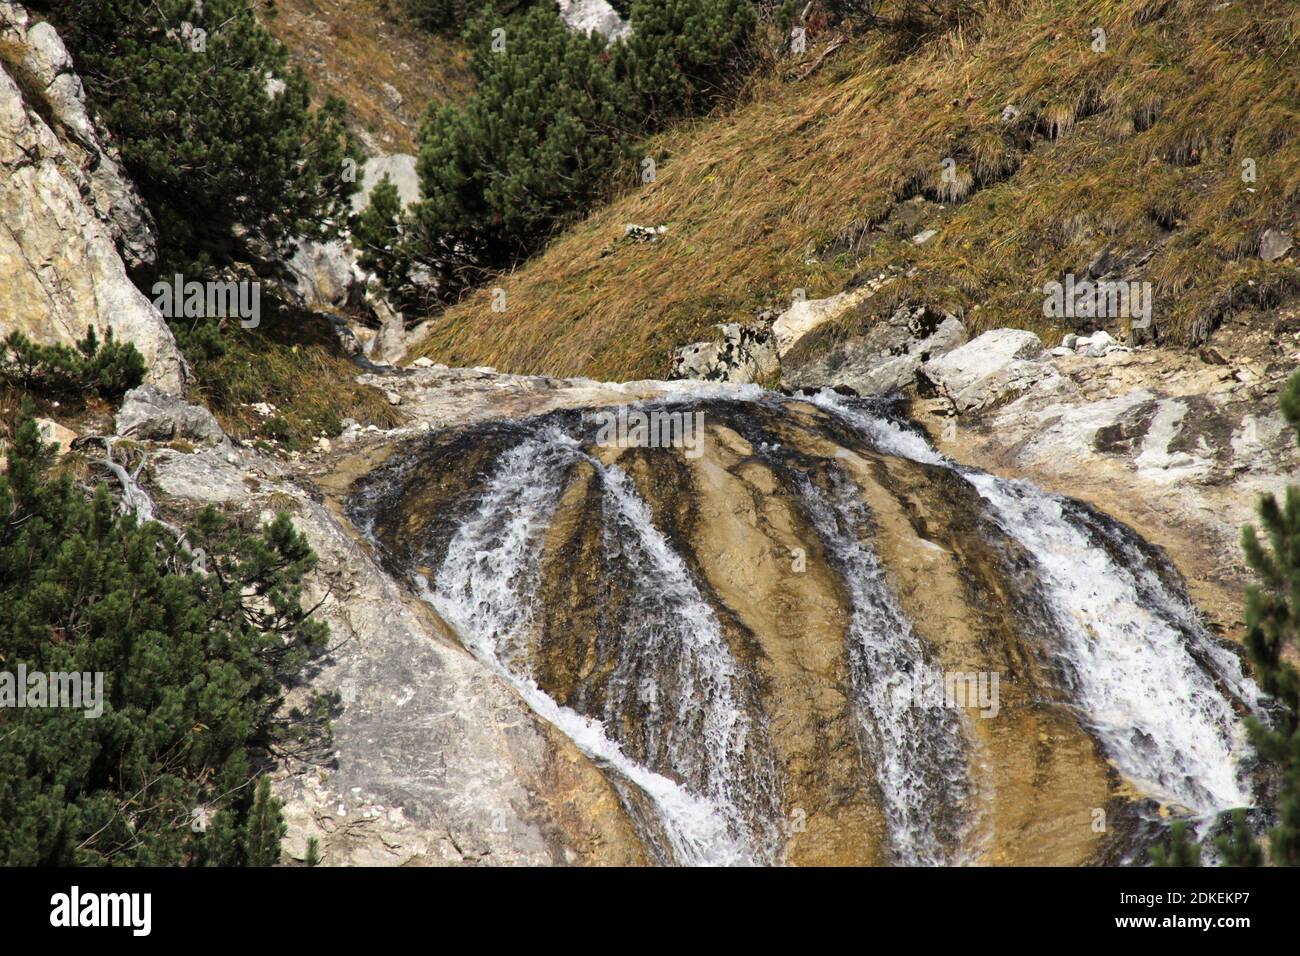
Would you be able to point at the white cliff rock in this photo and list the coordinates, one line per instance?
(594, 16)
(990, 369)
(60, 226)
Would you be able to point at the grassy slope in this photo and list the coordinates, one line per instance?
(362, 51)
(806, 185)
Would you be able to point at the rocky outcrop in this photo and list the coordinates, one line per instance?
(1177, 444)
(741, 354)
(401, 171)
(886, 358)
(42, 67)
(67, 215)
(150, 414)
(989, 370)
(325, 275)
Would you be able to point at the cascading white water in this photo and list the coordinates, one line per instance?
(1128, 644)
(918, 749)
(486, 586)
(695, 722)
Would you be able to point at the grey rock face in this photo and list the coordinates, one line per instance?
(399, 168)
(742, 354)
(62, 225)
(150, 414)
(44, 70)
(323, 274)
(990, 369)
(885, 359)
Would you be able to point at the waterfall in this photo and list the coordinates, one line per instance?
(918, 749)
(697, 730)
(1129, 645)
(666, 691)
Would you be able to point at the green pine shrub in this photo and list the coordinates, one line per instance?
(107, 369)
(377, 237)
(196, 652)
(226, 165)
(683, 55)
(534, 147)
(548, 132)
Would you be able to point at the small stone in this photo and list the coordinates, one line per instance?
(393, 397)
(921, 238)
(54, 433)
(1273, 245)
(422, 362)
(323, 444)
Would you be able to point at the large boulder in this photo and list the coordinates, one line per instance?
(989, 370)
(399, 168)
(741, 354)
(884, 359)
(594, 16)
(328, 275)
(150, 414)
(59, 248)
(325, 274)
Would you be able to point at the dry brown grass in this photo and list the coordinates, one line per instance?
(361, 51)
(1136, 148)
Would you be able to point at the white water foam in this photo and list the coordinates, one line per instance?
(485, 588)
(918, 750)
(1125, 639)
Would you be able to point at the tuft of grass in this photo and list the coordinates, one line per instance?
(1136, 148)
(292, 361)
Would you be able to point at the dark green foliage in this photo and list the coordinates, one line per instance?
(265, 828)
(107, 370)
(682, 54)
(377, 236)
(313, 851)
(452, 16)
(551, 125)
(209, 145)
(196, 651)
(533, 148)
(1180, 851)
(1238, 847)
(1272, 607)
